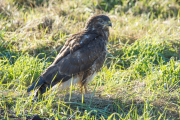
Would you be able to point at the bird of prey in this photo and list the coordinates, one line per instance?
(79, 60)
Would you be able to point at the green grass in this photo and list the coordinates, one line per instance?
(139, 80)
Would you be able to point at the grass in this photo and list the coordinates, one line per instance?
(139, 80)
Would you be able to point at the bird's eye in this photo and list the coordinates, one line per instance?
(100, 20)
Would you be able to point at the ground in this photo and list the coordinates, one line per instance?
(139, 80)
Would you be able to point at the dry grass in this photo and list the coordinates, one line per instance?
(140, 79)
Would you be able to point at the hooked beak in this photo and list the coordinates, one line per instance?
(109, 23)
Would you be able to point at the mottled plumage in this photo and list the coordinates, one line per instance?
(80, 59)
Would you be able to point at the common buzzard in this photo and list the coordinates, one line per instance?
(79, 60)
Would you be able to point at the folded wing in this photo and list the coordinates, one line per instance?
(77, 55)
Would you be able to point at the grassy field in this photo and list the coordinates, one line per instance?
(139, 80)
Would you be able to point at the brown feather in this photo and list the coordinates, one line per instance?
(80, 58)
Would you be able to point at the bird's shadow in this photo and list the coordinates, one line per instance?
(103, 105)
(97, 104)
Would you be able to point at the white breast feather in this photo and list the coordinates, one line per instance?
(67, 83)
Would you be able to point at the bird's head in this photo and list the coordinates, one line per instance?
(100, 22)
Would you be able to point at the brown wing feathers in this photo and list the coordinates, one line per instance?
(83, 53)
(67, 65)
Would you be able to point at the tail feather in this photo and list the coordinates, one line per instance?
(59, 78)
(38, 82)
(42, 86)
